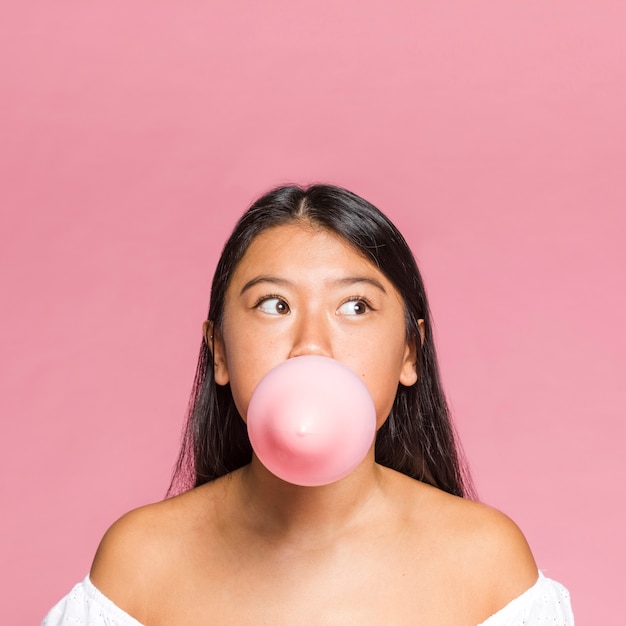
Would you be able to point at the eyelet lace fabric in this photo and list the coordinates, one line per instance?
(547, 602)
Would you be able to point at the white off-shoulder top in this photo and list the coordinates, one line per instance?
(547, 602)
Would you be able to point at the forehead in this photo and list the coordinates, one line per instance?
(298, 246)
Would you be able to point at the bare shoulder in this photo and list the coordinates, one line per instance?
(494, 542)
(142, 549)
(475, 545)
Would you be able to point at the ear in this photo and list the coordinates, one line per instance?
(215, 343)
(408, 373)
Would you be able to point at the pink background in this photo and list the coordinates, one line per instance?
(133, 134)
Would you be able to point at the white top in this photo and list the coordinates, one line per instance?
(545, 603)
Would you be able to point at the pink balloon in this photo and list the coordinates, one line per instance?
(311, 421)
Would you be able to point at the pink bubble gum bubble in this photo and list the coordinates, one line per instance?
(311, 421)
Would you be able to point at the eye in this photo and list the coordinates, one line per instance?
(354, 306)
(273, 305)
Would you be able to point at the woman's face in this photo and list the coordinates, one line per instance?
(301, 290)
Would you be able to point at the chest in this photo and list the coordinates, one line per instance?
(319, 588)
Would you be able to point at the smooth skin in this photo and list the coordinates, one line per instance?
(376, 547)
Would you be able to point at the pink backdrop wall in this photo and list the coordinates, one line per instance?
(134, 134)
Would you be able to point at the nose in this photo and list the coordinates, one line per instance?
(311, 335)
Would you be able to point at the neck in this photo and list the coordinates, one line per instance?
(272, 507)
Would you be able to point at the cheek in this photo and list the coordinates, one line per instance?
(383, 377)
(383, 400)
(239, 371)
(248, 361)
(243, 381)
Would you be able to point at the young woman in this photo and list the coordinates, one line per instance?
(317, 271)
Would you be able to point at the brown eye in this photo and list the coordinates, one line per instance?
(273, 306)
(357, 306)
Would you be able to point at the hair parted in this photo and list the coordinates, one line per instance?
(417, 439)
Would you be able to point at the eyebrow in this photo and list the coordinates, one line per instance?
(283, 282)
(352, 280)
(274, 280)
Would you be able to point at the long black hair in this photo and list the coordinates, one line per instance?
(417, 438)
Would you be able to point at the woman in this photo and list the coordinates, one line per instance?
(317, 271)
